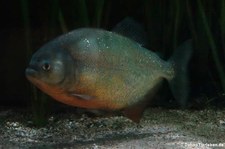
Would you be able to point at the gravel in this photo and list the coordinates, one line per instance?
(159, 128)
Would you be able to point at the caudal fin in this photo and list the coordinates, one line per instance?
(180, 84)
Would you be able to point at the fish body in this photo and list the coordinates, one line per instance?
(99, 69)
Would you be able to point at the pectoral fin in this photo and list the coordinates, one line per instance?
(82, 96)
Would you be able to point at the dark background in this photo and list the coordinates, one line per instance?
(26, 25)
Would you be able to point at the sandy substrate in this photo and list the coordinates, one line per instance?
(159, 128)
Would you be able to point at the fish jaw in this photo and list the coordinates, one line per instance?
(31, 72)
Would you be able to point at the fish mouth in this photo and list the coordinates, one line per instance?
(31, 72)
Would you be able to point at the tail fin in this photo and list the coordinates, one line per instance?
(180, 84)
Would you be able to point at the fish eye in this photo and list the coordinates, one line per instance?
(46, 67)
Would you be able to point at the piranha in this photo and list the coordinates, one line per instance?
(103, 70)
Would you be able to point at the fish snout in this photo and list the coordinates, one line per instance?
(31, 71)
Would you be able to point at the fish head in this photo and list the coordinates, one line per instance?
(50, 66)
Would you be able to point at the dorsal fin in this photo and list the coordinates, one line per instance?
(131, 29)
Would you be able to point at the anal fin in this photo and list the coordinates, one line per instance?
(134, 113)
